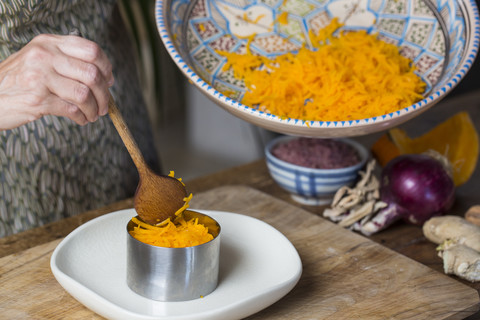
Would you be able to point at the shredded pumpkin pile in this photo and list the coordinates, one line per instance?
(350, 76)
(179, 233)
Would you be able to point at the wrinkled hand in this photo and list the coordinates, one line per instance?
(65, 76)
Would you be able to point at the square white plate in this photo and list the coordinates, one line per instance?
(258, 266)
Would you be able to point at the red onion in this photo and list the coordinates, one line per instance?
(416, 187)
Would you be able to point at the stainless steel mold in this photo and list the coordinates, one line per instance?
(174, 274)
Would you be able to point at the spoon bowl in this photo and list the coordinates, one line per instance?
(158, 197)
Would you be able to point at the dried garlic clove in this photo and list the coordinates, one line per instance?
(358, 214)
(373, 195)
(339, 194)
(366, 174)
(333, 212)
(379, 205)
(349, 201)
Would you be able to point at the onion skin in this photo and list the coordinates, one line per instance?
(418, 187)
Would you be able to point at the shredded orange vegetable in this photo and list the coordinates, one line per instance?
(350, 76)
(179, 233)
(186, 204)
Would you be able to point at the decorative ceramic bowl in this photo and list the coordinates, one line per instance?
(440, 36)
(312, 186)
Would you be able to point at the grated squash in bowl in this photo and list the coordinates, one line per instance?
(436, 35)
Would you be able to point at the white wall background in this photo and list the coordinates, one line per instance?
(208, 139)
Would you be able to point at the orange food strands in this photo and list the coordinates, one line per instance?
(180, 234)
(352, 76)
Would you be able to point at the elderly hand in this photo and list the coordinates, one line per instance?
(58, 75)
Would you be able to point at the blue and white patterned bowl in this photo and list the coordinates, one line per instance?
(440, 36)
(312, 186)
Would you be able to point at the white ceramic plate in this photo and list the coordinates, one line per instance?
(258, 266)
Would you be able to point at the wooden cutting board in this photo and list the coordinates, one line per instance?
(345, 275)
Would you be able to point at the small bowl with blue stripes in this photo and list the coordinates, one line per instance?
(310, 186)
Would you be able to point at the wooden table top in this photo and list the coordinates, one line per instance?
(402, 238)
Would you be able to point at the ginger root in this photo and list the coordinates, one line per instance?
(459, 245)
(473, 215)
(457, 229)
(461, 261)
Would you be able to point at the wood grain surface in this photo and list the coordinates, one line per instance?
(345, 275)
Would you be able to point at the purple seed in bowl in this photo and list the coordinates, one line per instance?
(317, 153)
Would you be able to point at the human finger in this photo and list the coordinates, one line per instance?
(89, 75)
(87, 51)
(61, 108)
(74, 93)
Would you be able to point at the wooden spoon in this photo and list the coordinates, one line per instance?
(158, 197)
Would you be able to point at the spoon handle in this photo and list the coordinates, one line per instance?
(126, 136)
